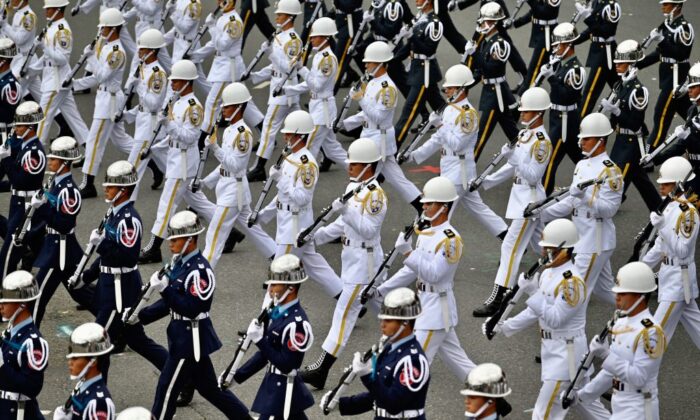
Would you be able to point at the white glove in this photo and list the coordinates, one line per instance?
(2, 360)
(655, 35)
(497, 329)
(530, 285)
(88, 50)
(576, 192)
(59, 414)
(546, 70)
(38, 201)
(435, 119)
(611, 107)
(583, 10)
(506, 151)
(4, 152)
(265, 46)
(210, 20)
(656, 219)
(599, 349)
(508, 23)
(157, 282)
(470, 47)
(169, 6)
(681, 132)
(338, 206)
(326, 398)
(367, 16)
(405, 32)
(130, 14)
(255, 331)
(125, 317)
(275, 173)
(359, 367)
(573, 397)
(75, 10)
(402, 244)
(96, 237)
(452, 5)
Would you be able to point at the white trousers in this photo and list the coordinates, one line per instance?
(597, 274)
(397, 179)
(315, 265)
(221, 225)
(447, 345)
(345, 316)
(669, 313)
(102, 130)
(274, 117)
(548, 405)
(179, 47)
(252, 114)
(475, 206)
(631, 405)
(324, 137)
(159, 154)
(51, 103)
(174, 191)
(521, 232)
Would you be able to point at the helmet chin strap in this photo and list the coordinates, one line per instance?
(116, 197)
(626, 312)
(50, 18)
(359, 176)
(528, 124)
(671, 15)
(182, 89)
(376, 69)
(487, 29)
(398, 332)
(277, 300)
(84, 371)
(11, 319)
(293, 145)
(322, 46)
(149, 55)
(563, 53)
(470, 415)
(590, 152)
(230, 119)
(694, 99)
(283, 24)
(629, 74)
(435, 216)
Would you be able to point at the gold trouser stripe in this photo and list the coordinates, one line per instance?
(624, 171)
(213, 108)
(245, 19)
(427, 340)
(96, 145)
(537, 67)
(143, 148)
(550, 165)
(216, 233)
(345, 315)
(667, 314)
(484, 131)
(590, 267)
(551, 400)
(312, 137)
(412, 115)
(288, 249)
(166, 218)
(269, 127)
(590, 91)
(515, 251)
(661, 121)
(46, 112)
(342, 59)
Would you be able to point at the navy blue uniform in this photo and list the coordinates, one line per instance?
(397, 385)
(25, 354)
(93, 401)
(287, 338)
(259, 18)
(10, 95)
(348, 15)
(689, 147)
(187, 299)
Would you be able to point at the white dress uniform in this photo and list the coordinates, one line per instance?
(378, 105)
(631, 369)
(127, 40)
(319, 80)
(292, 206)
(57, 47)
(148, 16)
(434, 263)
(182, 130)
(593, 217)
(360, 227)
(185, 18)
(108, 63)
(560, 307)
(455, 139)
(525, 167)
(226, 42)
(678, 284)
(286, 46)
(22, 31)
(233, 194)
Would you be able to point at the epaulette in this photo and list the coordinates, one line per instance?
(60, 26)
(608, 163)
(540, 136)
(241, 128)
(293, 35)
(200, 266)
(115, 47)
(326, 53)
(449, 233)
(304, 159)
(155, 68)
(647, 322)
(466, 107)
(192, 102)
(232, 18)
(568, 274)
(385, 84)
(371, 187)
(683, 206)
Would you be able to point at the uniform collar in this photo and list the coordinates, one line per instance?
(25, 9)
(15, 328)
(286, 306)
(395, 345)
(87, 384)
(189, 256)
(441, 226)
(2, 76)
(187, 97)
(60, 178)
(27, 141)
(599, 158)
(568, 59)
(493, 416)
(120, 206)
(639, 317)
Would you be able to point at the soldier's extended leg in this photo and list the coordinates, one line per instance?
(487, 121)
(597, 79)
(207, 386)
(274, 117)
(475, 206)
(397, 179)
(170, 198)
(564, 145)
(51, 102)
(669, 313)
(447, 346)
(539, 54)
(597, 274)
(316, 267)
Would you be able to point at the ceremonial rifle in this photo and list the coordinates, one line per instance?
(577, 15)
(156, 131)
(195, 185)
(358, 34)
(348, 100)
(200, 33)
(536, 207)
(258, 56)
(646, 42)
(268, 185)
(129, 94)
(667, 142)
(81, 61)
(168, 8)
(495, 161)
(32, 50)
(90, 248)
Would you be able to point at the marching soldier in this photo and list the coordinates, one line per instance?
(24, 354)
(187, 291)
(359, 225)
(631, 361)
(593, 208)
(433, 263)
(285, 57)
(455, 139)
(281, 345)
(557, 301)
(90, 399)
(397, 381)
(377, 98)
(526, 164)
(9, 86)
(485, 392)
(626, 111)
(88, 6)
(565, 75)
(107, 60)
(674, 249)
(148, 15)
(185, 17)
(675, 36)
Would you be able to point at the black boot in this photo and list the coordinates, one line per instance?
(502, 235)
(186, 394)
(63, 127)
(258, 172)
(87, 189)
(157, 175)
(234, 237)
(492, 304)
(325, 163)
(316, 373)
(417, 205)
(151, 253)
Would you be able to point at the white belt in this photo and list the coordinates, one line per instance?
(561, 335)
(564, 108)
(140, 108)
(445, 152)
(423, 57)
(676, 262)
(602, 40)
(177, 317)
(369, 246)
(669, 60)
(586, 214)
(22, 193)
(52, 231)
(693, 156)
(628, 132)
(321, 97)
(13, 396)
(288, 207)
(272, 369)
(406, 414)
(541, 22)
(230, 174)
(372, 126)
(117, 270)
(177, 145)
(178, 35)
(494, 81)
(444, 304)
(142, 18)
(625, 387)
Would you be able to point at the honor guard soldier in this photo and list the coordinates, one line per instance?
(185, 17)
(23, 160)
(187, 291)
(377, 98)
(593, 208)
(57, 45)
(149, 14)
(296, 181)
(485, 392)
(433, 264)
(455, 138)
(557, 301)
(88, 6)
(674, 249)
(497, 103)
(631, 361)
(24, 354)
(359, 225)
(318, 81)
(281, 345)
(182, 126)
(229, 180)
(565, 75)
(526, 163)
(424, 71)
(398, 376)
(90, 399)
(107, 60)
(676, 36)
(285, 57)
(10, 89)
(626, 106)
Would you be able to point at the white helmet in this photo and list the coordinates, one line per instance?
(628, 51)
(64, 148)
(439, 190)
(19, 286)
(694, 75)
(564, 33)
(183, 224)
(288, 7)
(635, 277)
(151, 39)
(675, 169)
(491, 11)
(120, 174)
(672, 1)
(459, 76)
(234, 94)
(135, 413)
(286, 269)
(595, 125)
(400, 303)
(363, 150)
(298, 122)
(55, 3)
(486, 380)
(535, 99)
(28, 113)
(8, 49)
(89, 340)
(558, 231)
(324, 26)
(378, 52)
(111, 17)
(184, 70)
